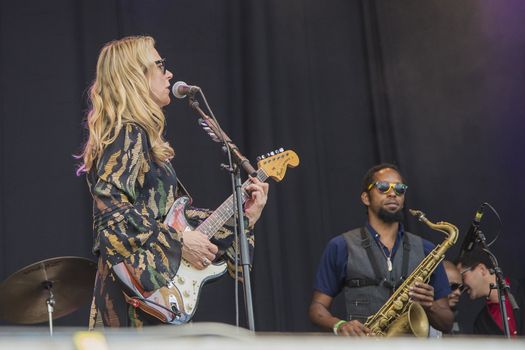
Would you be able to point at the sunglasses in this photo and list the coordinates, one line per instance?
(161, 64)
(385, 187)
(468, 269)
(454, 286)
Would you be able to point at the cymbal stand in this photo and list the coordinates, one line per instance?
(50, 304)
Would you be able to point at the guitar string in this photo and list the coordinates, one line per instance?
(224, 211)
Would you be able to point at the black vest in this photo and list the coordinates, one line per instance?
(369, 284)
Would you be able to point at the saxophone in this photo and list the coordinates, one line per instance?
(399, 315)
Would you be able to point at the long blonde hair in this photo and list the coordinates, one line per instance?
(120, 94)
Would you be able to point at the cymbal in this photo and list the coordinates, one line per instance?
(23, 295)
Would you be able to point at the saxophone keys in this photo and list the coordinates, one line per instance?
(398, 305)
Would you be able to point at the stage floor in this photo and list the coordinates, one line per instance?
(216, 335)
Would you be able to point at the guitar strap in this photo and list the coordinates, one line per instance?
(181, 190)
(146, 306)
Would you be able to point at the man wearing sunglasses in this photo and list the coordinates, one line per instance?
(455, 282)
(456, 287)
(370, 262)
(478, 279)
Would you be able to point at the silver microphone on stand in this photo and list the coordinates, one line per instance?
(180, 89)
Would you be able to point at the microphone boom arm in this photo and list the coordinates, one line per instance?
(218, 135)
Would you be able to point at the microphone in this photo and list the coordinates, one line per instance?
(180, 89)
(471, 237)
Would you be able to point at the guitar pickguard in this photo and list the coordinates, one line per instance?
(187, 284)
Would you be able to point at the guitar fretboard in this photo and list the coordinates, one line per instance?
(225, 211)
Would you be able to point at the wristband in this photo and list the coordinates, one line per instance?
(338, 325)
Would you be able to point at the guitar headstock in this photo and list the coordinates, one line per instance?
(275, 163)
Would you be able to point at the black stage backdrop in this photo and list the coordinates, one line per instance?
(434, 86)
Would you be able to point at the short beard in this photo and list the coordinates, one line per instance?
(390, 217)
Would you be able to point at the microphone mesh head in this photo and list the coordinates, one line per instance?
(176, 89)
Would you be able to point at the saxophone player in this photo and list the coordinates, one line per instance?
(370, 262)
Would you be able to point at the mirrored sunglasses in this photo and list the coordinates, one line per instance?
(385, 187)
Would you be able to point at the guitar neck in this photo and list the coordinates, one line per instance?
(225, 211)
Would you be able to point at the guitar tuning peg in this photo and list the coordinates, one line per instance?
(258, 158)
(281, 150)
(272, 153)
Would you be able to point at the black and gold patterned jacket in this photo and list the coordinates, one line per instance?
(131, 196)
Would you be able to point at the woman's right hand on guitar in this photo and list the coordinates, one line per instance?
(197, 249)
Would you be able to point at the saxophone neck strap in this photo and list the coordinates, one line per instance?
(367, 245)
(380, 280)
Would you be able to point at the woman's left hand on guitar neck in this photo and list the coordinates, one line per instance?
(253, 207)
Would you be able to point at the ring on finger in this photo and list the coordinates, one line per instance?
(205, 262)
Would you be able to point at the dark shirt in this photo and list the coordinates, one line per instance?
(489, 322)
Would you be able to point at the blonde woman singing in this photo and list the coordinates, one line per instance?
(127, 163)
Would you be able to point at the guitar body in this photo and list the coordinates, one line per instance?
(189, 280)
(176, 302)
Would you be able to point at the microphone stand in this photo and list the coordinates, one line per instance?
(218, 135)
(501, 286)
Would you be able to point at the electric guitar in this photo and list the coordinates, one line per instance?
(176, 302)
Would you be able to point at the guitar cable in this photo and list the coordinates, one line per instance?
(176, 312)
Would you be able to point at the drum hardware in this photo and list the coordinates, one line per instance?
(47, 290)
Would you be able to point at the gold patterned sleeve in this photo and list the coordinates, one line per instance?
(125, 226)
